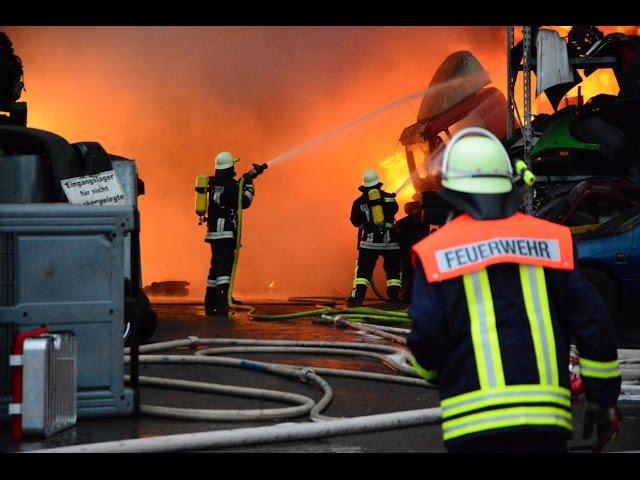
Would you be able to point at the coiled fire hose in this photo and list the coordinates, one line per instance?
(325, 427)
(322, 427)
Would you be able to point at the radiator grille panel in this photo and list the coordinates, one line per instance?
(50, 384)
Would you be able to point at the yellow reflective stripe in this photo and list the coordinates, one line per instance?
(394, 283)
(508, 388)
(596, 369)
(361, 281)
(389, 199)
(506, 417)
(534, 291)
(423, 372)
(484, 334)
(546, 317)
(492, 328)
(508, 394)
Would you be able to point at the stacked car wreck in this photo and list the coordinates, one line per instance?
(585, 155)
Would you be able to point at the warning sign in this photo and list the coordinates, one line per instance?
(100, 189)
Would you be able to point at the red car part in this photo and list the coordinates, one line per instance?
(16, 377)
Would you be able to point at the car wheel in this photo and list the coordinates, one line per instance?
(605, 286)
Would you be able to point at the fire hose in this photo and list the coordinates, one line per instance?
(326, 426)
(323, 427)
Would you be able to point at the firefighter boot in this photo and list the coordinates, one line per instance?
(210, 301)
(357, 296)
(393, 292)
(222, 300)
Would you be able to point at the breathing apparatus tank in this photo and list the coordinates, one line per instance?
(202, 181)
(376, 209)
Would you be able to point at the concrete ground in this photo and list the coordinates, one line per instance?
(352, 397)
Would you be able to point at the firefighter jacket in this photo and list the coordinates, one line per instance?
(495, 307)
(370, 236)
(222, 216)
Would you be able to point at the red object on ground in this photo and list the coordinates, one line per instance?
(16, 377)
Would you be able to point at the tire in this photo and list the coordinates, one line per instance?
(605, 286)
(141, 308)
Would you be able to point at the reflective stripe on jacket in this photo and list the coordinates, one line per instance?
(223, 205)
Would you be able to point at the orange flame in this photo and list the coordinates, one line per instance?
(395, 173)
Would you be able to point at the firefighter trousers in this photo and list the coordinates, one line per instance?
(364, 271)
(222, 257)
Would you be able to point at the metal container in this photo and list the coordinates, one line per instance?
(63, 267)
(49, 374)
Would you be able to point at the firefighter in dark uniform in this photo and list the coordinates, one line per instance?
(222, 227)
(373, 213)
(496, 304)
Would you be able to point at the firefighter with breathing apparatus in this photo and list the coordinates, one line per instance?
(373, 212)
(496, 303)
(218, 198)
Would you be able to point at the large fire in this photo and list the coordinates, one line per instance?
(170, 98)
(394, 171)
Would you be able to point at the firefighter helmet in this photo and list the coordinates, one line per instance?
(475, 161)
(225, 160)
(370, 178)
(477, 176)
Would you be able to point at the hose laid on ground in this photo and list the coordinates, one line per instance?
(387, 359)
(304, 404)
(391, 356)
(384, 328)
(194, 342)
(305, 375)
(341, 322)
(259, 435)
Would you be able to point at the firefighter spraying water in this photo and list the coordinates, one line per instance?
(217, 197)
(373, 212)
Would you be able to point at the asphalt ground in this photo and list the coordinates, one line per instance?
(352, 397)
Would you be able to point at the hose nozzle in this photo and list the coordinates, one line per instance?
(256, 170)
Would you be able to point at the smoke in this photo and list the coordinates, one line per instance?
(171, 98)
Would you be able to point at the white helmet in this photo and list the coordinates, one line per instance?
(370, 178)
(225, 160)
(475, 161)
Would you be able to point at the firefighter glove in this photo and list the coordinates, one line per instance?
(606, 422)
